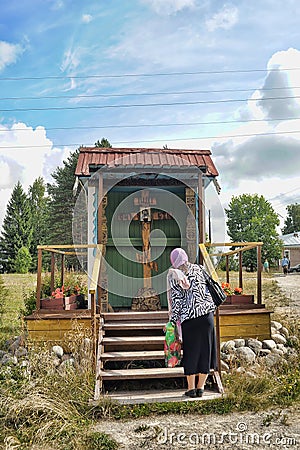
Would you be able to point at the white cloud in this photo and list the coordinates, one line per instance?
(169, 6)
(9, 53)
(226, 18)
(70, 60)
(86, 18)
(25, 154)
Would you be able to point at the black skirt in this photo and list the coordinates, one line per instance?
(199, 345)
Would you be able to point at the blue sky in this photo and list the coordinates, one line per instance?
(181, 73)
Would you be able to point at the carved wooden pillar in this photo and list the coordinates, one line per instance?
(104, 281)
(191, 232)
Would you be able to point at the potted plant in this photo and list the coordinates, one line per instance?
(235, 296)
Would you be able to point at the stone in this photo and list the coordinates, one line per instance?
(229, 347)
(67, 363)
(279, 339)
(245, 355)
(272, 360)
(269, 343)
(277, 351)
(264, 352)
(239, 343)
(56, 361)
(255, 345)
(282, 348)
(15, 344)
(9, 359)
(20, 352)
(276, 325)
(273, 331)
(58, 351)
(284, 331)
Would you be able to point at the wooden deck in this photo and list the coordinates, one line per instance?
(55, 326)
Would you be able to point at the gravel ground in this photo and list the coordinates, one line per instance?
(290, 286)
(276, 429)
(273, 429)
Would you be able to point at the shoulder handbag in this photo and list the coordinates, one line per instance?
(215, 290)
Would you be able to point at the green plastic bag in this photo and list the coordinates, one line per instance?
(172, 346)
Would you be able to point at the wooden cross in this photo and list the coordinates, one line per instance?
(145, 258)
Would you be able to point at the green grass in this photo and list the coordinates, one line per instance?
(41, 408)
(16, 285)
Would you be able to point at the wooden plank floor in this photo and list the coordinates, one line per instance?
(158, 396)
(133, 356)
(132, 374)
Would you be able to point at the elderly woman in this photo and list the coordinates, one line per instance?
(194, 308)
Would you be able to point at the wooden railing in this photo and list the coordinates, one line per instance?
(94, 281)
(243, 246)
(93, 291)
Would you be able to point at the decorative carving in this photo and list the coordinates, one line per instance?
(191, 232)
(105, 307)
(146, 299)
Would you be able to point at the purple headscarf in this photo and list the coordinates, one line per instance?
(178, 257)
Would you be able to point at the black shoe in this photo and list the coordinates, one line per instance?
(191, 393)
(199, 392)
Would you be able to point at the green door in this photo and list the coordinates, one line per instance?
(124, 246)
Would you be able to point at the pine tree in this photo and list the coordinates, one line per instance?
(17, 228)
(104, 143)
(40, 211)
(62, 202)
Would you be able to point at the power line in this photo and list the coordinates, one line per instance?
(127, 75)
(157, 140)
(152, 125)
(130, 94)
(137, 105)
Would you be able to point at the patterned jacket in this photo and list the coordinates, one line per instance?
(193, 302)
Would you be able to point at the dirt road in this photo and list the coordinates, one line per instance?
(290, 286)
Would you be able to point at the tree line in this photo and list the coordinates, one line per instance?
(43, 216)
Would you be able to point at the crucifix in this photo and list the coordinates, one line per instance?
(145, 257)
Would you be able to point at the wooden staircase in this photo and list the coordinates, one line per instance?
(130, 358)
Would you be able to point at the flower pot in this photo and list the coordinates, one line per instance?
(239, 299)
(52, 303)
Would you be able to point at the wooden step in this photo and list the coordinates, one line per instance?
(131, 374)
(135, 316)
(118, 325)
(133, 356)
(133, 340)
(158, 396)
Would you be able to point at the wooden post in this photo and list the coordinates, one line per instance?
(52, 272)
(227, 269)
(99, 234)
(94, 328)
(201, 230)
(241, 269)
(259, 296)
(39, 280)
(62, 273)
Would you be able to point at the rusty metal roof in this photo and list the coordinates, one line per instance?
(96, 157)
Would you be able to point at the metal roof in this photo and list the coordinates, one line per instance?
(93, 158)
(291, 239)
